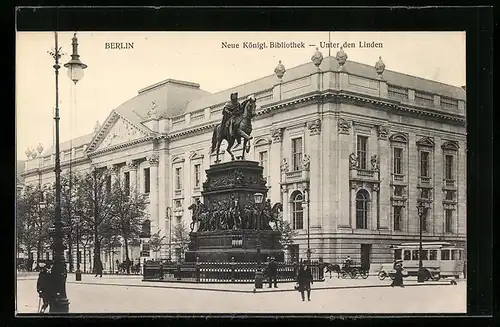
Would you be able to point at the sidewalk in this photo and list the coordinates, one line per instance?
(129, 281)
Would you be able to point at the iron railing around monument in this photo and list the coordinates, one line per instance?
(222, 272)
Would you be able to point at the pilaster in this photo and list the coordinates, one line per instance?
(153, 194)
(343, 198)
(384, 193)
(313, 164)
(274, 164)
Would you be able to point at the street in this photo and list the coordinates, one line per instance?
(128, 294)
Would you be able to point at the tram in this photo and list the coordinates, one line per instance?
(440, 259)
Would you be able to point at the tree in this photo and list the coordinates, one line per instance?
(128, 209)
(287, 234)
(96, 212)
(156, 242)
(34, 215)
(69, 211)
(181, 237)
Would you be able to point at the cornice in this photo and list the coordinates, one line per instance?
(124, 145)
(51, 167)
(305, 98)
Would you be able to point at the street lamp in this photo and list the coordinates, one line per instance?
(169, 216)
(60, 302)
(421, 269)
(258, 197)
(78, 272)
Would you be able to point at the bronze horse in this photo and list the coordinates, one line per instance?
(243, 123)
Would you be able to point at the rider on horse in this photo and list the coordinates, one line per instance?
(233, 110)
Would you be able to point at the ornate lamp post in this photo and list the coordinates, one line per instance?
(421, 270)
(307, 194)
(60, 303)
(169, 216)
(75, 73)
(258, 197)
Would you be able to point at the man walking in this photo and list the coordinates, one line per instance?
(44, 286)
(272, 272)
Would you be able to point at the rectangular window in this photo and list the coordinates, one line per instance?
(397, 254)
(127, 183)
(178, 178)
(424, 164)
(407, 255)
(178, 204)
(454, 254)
(398, 190)
(147, 181)
(425, 254)
(297, 154)
(397, 218)
(398, 159)
(448, 220)
(424, 219)
(424, 194)
(197, 175)
(433, 254)
(445, 254)
(449, 167)
(362, 151)
(414, 254)
(449, 195)
(263, 163)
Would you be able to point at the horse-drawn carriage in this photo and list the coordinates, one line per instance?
(350, 270)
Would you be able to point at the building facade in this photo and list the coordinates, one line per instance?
(348, 149)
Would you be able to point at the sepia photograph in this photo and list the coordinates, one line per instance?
(241, 172)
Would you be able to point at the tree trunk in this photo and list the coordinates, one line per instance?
(127, 259)
(84, 259)
(97, 254)
(38, 251)
(70, 253)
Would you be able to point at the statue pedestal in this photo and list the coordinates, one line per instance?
(226, 183)
(224, 245)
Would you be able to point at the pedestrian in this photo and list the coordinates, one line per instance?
(305, 280)
(272, 272)
(398, 276)
(44, 286)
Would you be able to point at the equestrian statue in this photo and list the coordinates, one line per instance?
(236, 124)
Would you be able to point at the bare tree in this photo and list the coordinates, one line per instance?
(128, 209)
(156, 242)
(181, 237)
(96, 210)
(69, 208)
(34, 214)
(287, 234)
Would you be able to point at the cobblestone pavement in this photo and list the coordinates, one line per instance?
(128, 294)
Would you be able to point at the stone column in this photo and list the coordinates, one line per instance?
(350, 221)
(114, 170)
(374, 208)
(274, 164)
(313, 164)
(286, 205)
(153, 194)
(132, 168)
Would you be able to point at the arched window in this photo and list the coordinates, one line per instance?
(297, 210)
(362, 199)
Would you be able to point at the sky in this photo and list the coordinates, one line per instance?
(115, 75)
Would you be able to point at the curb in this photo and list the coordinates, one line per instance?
(258, 290)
